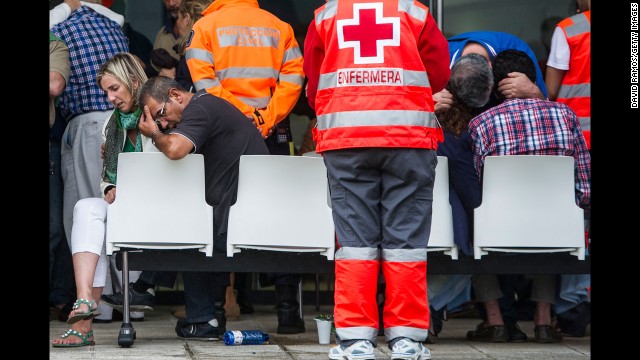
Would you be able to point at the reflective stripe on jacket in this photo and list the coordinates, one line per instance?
(575, 90)
(248, 57)
(373, 89)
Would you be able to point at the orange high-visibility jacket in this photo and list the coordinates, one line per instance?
(247, 56)
(373, 89)
(575, 90)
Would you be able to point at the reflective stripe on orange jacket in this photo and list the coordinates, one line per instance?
(373, 88)
(575, 90)
(247, 56)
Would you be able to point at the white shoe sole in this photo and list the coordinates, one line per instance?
(409, 357)
(352, 357)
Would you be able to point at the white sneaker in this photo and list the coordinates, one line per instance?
(407, 349)
(360, 350)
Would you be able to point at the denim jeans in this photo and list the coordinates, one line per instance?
(573, 291)
(448, 290)
(574, 288)
(61, 278)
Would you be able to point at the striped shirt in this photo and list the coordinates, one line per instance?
(92, 40)
(533, 127)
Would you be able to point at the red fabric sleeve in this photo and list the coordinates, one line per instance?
(313, 58)
(434, 51)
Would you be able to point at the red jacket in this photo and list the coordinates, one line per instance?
(372, 70)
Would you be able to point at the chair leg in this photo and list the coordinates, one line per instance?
(125, 287)
(300, 298)
(127, 333)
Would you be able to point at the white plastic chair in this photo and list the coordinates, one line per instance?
(441, 237)
(160, 204)
(528, 205)
(282, 205)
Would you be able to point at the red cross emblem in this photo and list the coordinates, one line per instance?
(368, 33)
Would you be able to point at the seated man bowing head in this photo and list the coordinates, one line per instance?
(204, 124)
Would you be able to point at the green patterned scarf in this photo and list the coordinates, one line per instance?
(130, 120)
(114, 133)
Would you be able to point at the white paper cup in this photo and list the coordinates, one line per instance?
(324, 331)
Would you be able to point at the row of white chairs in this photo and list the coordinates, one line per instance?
(283, 204)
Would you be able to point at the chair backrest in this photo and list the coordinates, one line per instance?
(315, 154)
(441, 237)
(160, 204)
(528, 205)
(282, 205)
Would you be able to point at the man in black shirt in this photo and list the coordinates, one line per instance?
(203, 124)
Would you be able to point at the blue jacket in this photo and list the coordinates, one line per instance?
(494, 42)
(465, 192)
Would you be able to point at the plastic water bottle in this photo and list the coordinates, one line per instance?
(245, 337)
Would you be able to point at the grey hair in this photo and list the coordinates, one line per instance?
(471, 80)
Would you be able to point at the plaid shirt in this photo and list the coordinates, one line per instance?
(92, 40)
(533, 127)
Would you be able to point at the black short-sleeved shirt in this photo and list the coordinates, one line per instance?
(221, 133)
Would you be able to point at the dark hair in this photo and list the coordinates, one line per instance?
(158, 88)
(162, 59)
(513, 60)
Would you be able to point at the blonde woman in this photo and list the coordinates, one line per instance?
(121, 78)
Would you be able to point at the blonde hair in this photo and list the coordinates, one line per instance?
(194, 9)
(125, 67)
